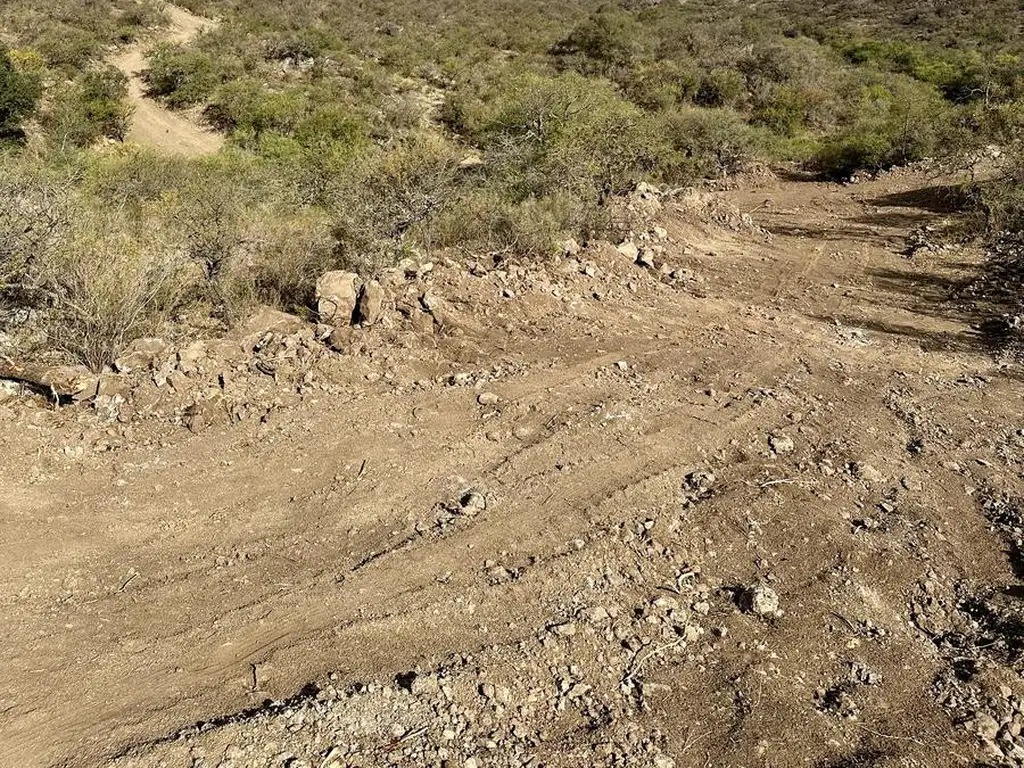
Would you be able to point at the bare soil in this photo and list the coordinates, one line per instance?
(154, 125)
(386, 565)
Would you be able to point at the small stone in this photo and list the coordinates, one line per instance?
(471, 762)
(339, 339)
(866, 472)
(487, 398)
(760, 600)
(984, 725)
(781, 444)
(472, 502)
(571, 248)
(566, 629)
(629, 250)
(597, 614)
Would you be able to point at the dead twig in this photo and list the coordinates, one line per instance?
(641, 660)
(408, 735)
(889, 736)
(128, 581)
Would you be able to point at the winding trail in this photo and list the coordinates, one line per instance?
(153, 125)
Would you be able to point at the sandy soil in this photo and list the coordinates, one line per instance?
(852, 429)
(153, 125)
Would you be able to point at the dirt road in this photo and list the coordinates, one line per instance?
(847, 418)
(153, 125)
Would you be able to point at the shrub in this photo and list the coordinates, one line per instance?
(720, 88)
(607, 39)
(181, 77)
(393, 200)
(661, 84)
(487, 219)
(785, 113)
(570, 132)
(287, 252)
(247, 109)
(94, 106)
(67, 48)
(107, 288)
(19, 94)
(894, 123)
(35, 209)
(710, 143)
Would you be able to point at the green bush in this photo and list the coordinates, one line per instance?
(720, 88)
(93, 107)
(19, 94)
(570, 132)
(607, 39)
(710, 143)
(107, 287)
(661, 84)
(393, 199)
(67, 48)
(893, 123)
(247, 110)
(35, 208)
(179, 76)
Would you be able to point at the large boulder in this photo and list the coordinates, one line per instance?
(336, 296)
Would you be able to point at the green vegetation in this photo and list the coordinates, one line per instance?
(90, 108)
(357, 135)
(19, 95)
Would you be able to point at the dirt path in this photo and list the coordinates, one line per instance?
(153, 125)
(181, 578)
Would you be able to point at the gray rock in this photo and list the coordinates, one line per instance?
(866, 472)
(488, 398)
(984, 725)
(781, 444)
(629, 250)
(141, 353)
(473, 502)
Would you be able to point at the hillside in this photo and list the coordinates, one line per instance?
(504, 384)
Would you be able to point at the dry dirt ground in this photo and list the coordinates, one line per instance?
(153, 125)
(548, 525)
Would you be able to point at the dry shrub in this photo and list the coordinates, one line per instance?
(394, 200)
(278, 265)
(107, 289)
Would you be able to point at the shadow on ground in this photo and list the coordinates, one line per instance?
(981, 301)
